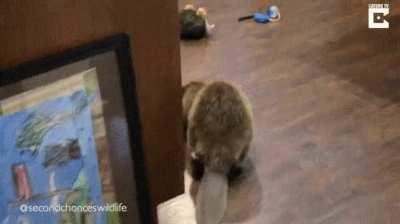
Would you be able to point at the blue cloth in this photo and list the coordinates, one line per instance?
(272, 14)
(260, 17)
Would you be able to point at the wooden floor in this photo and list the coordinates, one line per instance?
(326, 96)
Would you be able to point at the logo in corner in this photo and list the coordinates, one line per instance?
(376, 16)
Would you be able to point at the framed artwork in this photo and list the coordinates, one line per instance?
(70, 136)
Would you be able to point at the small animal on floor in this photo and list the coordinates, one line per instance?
(194, 23)
(218, 127)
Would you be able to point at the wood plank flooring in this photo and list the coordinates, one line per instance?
(326, 96)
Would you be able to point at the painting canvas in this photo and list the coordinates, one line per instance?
(69, 123)
(54, 152)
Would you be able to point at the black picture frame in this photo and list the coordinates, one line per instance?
(120, 45)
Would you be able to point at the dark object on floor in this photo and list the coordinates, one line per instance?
(193, 26)
(245, 18)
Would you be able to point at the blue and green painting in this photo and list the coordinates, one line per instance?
(48, 158)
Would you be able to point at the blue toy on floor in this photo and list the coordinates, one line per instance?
(271, 15)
